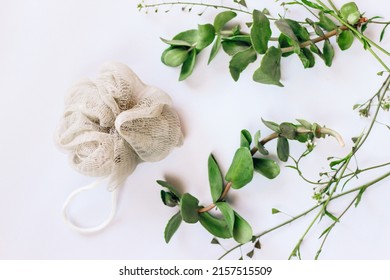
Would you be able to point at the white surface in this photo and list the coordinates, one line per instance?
(46, 46)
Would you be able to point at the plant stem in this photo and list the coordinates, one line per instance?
(315, 40)
(365, 186)
(195, 4)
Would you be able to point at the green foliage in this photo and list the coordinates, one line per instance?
(350, 13)
(188, 66)
(245, 139)
(269, 70)
(266, 167)
(240, 61)
(215, 178)
(217, 227)
(283, 149)
(260, 32)
(172, 226)
(242, 231)
(228, 215)
(326, 23)
(345, 39)
(189, 206)
(240, 171)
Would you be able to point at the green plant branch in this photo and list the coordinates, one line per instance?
(228, 185)
(315, 40)
(342, 170)
(184, 3)
(365, 186)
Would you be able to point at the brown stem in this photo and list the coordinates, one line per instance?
(316, 40)
(229, 184)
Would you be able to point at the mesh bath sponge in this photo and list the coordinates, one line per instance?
(113, 123)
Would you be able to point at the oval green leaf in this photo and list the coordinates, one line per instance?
(240, 171)
(242, 231)
(189, 208)
(326, 23)
(271, 125)
(189, 36)
(345, 39)
(245, 138)
(240, 61)
(260, 32)
(283, 149)
(215, 178)
(188, 66)
(232, 47)
(222, 18)
(177, 43)
(172, 226)
(215, 49)
(269, 70)
(174, 57)
(228, 215)
(217, 227)
(288, 130)
(266, 167)
(206, 35)
(328, 53)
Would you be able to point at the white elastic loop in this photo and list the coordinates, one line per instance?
(114, 200)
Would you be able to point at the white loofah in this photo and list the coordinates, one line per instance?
(115, 122)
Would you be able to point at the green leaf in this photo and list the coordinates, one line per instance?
(305, 123)
(189, 36)
(240, 61)
(269, 70)
(232, 47)
(313, 5)
(176, 43)
(330, 215)
(266, 167)
(285, 42)
(189, 208)
(307, 58)
(217, 227)
(245, 138)
(228, 215)
(293, 30)
(383, 33)
(283, 149)
(275, 211)
(172, 226)
(345, 39)
(241, 2)
(188, 66)
(350, 12)
(175, 56)
(222, 18)
(206, 35)
(288, 130)
(242, 231)
(260, 32)
(171, 188)
(215, 49)
(359, 196)
(326, 23)
(215, 178)
(169, 199)
(240, 171)
(271, 125)
(328, 52)
(259, 146)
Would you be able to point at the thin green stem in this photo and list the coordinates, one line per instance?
(365, 186)
(346, 210)
(184, 3)
(333, 6)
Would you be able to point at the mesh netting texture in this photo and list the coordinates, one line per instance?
(115, 122)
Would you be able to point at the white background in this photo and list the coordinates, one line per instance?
(46, 46)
